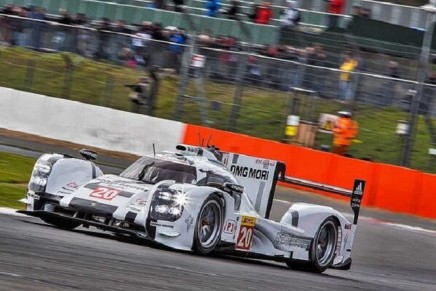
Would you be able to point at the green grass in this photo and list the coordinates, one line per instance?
(14, 174)
(262, 113)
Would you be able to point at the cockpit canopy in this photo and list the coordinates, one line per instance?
(154, 170)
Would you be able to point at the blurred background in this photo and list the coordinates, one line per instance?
(277, 70)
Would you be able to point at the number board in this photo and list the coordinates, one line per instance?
(104, 193)
(245, 235)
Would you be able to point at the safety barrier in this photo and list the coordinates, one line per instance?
(86, 124)
(389, 187)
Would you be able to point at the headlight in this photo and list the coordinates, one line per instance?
(167, 204)
(40, 174)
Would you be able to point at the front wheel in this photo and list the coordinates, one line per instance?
(208, 227)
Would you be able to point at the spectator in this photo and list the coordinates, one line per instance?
(139, 94)
(62, 37)
(159, 4)
(254, 75)
(291, 16)
(103, 30)
(157, 33)
(234, 10)
(389, 86)
(213, 6)
(17, 25)
(345, 77)
(178, 5)
(120, 40)
(178, 39)
(37, 13)
(428, 93)
(140, 43)
(84, 39)
(345, 130)
(316, 58)
(335, 8)
(264, 13)
(365, 13)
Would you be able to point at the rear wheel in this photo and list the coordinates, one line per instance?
(322, 250)
(208, 227)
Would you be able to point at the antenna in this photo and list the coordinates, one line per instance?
(210, 136)
(154, 150)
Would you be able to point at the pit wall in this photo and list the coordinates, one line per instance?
(389, 187)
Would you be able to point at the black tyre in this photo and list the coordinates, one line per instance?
(208, 226)
(322, 250)
(59, 222)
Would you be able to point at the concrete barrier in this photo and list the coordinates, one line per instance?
(81, 123)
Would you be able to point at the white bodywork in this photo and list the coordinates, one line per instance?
(78, 186)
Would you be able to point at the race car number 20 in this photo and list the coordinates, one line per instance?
(104, 193)
(245, 235)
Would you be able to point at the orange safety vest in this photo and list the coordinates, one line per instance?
(344, 131)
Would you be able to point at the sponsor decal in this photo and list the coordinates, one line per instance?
(265, 163)
(356, 198)
(138, 205)
(154, 223)
(33, 195)
(245, 235)
(189, 221)
(104, 193)
(73, 185)
(249, 172)
(345, 241)
(230, 226)
(285, 239)
(347, 226)
(248, 221)
(69, 188)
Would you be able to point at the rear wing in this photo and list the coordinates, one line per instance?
(259, 178)
(356, 194)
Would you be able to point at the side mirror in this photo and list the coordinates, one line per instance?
(88, 155)
(236, 191)
(230, 187)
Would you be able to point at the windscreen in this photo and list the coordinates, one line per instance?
(152, 170)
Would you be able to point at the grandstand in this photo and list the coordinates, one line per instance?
(313, 15)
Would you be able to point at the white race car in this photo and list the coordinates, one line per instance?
(195, 199)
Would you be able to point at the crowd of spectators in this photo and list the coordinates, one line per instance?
(150, 44)
(103, 39)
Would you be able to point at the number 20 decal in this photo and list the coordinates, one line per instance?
(245, 237)
(104, 193)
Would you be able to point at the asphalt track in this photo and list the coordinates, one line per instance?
(391, 252)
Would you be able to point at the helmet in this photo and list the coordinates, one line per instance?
(345, 113)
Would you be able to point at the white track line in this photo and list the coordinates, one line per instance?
(11, 211)
(10, 274)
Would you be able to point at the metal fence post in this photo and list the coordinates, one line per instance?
(237, 97)
(30, 72)
(68, 76)
(416, 101)
(242, 67)
(108, 91)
